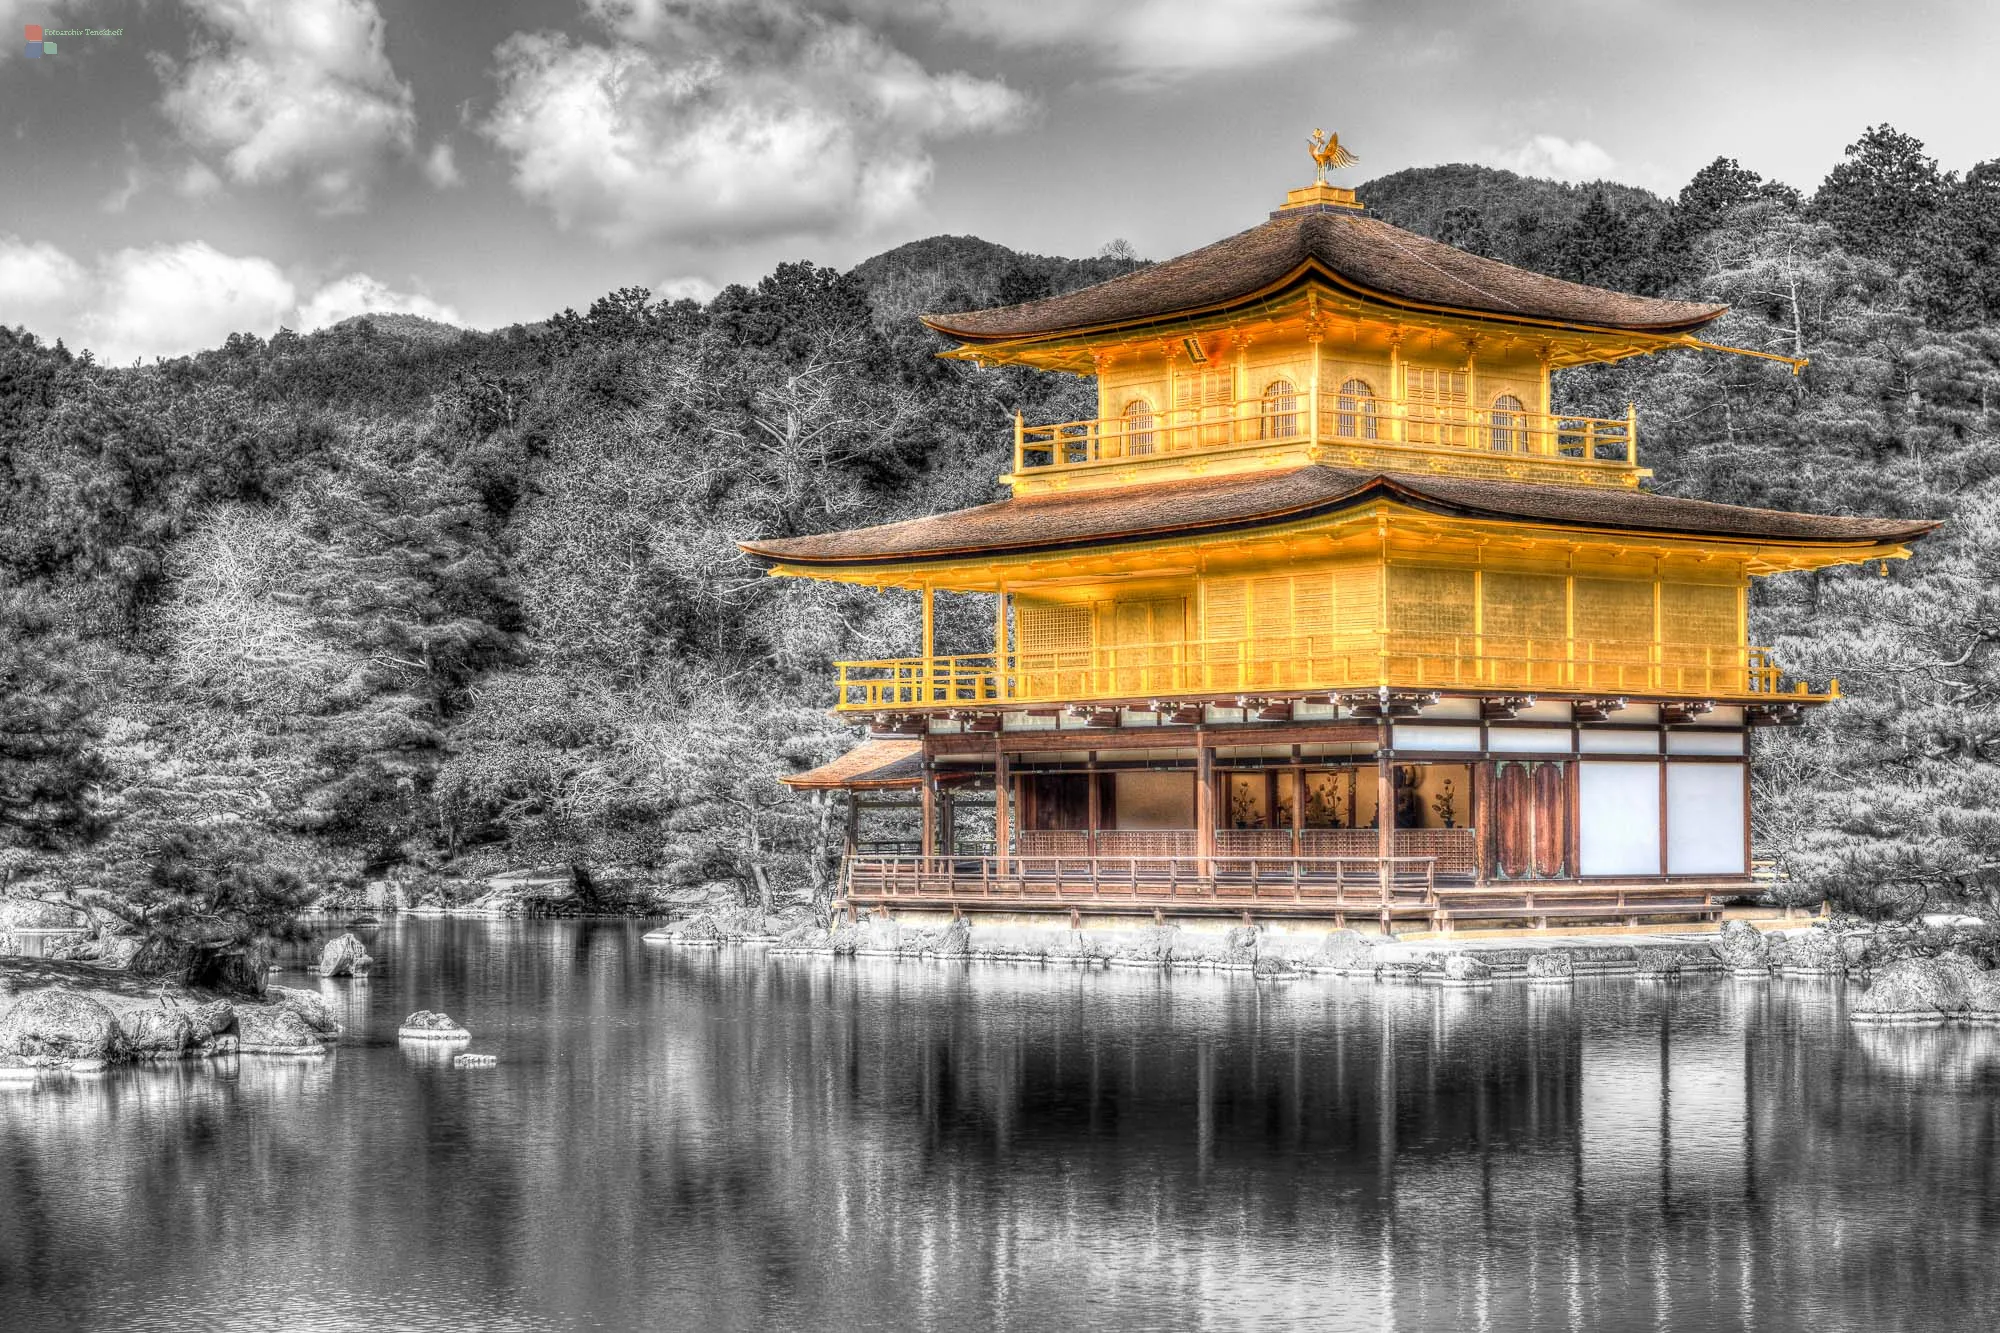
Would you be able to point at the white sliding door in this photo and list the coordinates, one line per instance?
(1618, 818)
(1705, 819)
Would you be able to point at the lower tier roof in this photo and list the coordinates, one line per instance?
(1204, 506)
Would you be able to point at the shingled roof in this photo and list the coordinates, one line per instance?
(1377, 262)
(1204, 506)
(871, 765)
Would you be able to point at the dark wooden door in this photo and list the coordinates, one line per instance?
(1530, 824)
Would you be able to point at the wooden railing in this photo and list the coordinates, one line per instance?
(1340, 420)
(1455, 851)
(1361, 882)
(1223, 667)
(1406, 889)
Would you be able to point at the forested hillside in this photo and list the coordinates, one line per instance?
(391, 598)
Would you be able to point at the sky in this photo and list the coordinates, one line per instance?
(203, 167)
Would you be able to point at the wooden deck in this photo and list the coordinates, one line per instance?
(1401, 890)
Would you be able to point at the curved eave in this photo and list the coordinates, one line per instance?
(868, 568)
(1301, 275)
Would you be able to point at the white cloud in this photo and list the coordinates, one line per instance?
(174, 299)
(166, 300)
(359, 294)
(38, 283)
(1556, 158)
(1145, 41)
(708, 123)
(441, 165)
(286, 90)
(690, 288)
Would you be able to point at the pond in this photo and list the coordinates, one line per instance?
(685, 1139)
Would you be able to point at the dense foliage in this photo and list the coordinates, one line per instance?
(393, 598)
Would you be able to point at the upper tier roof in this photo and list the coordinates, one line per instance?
(1377, 262)
(1202, 506)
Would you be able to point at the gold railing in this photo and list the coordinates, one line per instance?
(1213, 668)
(1341, 420)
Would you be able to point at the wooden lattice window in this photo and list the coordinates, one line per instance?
(1510, 425)
(1524, 619)
(1280, 415)
(1437, 405)
(1703, 638)
(1614, 634)
(1139, 427)
(1431, 610)
(1354, 411)
(1052, 647)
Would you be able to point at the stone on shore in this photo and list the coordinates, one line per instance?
(1658, 964)
(1347, 951)
(308, 1005)
(1463, 969)
(1914, 990)
(1982, 996)
(1743, 948)
(58, 1024)
(1553, 967)
(1813, 952)
(155, 1032)
(344, 957)
(276, 1030)
(432, 1025)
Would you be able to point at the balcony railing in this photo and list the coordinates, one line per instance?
(1196, 669)
(1341, 419)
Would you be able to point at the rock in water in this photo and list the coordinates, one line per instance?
(430, 1025)
(1553, 968)
(344, 957)
(1743, 948)
(1658, 964)
(466, 1060)
(1462, 969)
(212, 1020)
(1347, 951)
(1814, 952)
(276, 1030)
(309, 1006)
(1916, 990)
(61, 1025)
(156, 1033)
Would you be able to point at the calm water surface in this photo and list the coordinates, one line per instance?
(678, 1139)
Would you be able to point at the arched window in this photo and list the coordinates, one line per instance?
(1510, 425)
(1354, 416)
(1139, 427)
(1281, 410)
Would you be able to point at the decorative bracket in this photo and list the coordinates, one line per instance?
(1683, 711)
(1382, 702)
(1597, 710)
(1503, 707)
(1774, 714)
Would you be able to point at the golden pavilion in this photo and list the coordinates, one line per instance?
(1327, 612)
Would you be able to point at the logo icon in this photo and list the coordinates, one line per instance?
(36, 46)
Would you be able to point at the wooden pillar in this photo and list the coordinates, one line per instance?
(1298, 803)
(1482, 824)
(1204, 806)
(852, 842)
(1003, 782)
(1385, 813)
(1094, 819)
(947, 823)
(930, 650)
(927, 800)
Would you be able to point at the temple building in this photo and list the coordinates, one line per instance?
(1327, 612)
